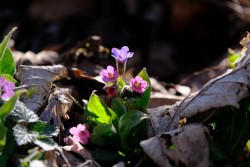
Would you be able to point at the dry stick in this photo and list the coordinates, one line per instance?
(74, 100)
(63, 156)
(141, 160)
(89, 162)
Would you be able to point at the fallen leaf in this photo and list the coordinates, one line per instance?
(59, 104)
(185, 146)
(40, 77)
(226, 90)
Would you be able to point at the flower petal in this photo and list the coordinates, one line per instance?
(73, 130)
(125, 49)
(2, 81)
(8, 86)
(130, 54)
(7, 94)
(110, 69)
(87, 134)
(81, 127)
(83, 140)
(76, 138)
(115, 52)
(103, 72)
(138, 79)
(131, 82)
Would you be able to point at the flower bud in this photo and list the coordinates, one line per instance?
(111, 90)
(126, 92)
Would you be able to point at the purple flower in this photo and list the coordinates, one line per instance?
(138, 84)
(80, 134)
(6, 88)
(122, 54)
(109, 75)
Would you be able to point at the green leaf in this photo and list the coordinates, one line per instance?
(233, 56)
(9, 105)
(86, 114)
(106, 155)
(44, 129)
(239, 129)
(100, 112)
(7, 64)
(46, 143)
(143, 101)
(22, 114)
(5, 110)
(104, 134)
(23, 136)
(4, 43)
(118, 107)
(2, 136)
(129, 121)
(8, 148)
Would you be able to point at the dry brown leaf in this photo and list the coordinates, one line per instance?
(225, 90)
(59, 104)
(185, 146)
(40, 77)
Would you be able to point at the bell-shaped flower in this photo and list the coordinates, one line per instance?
(109, 74)
(122, 54)
(138, 84)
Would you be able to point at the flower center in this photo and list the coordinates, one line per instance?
(110, 75)
(137, 84)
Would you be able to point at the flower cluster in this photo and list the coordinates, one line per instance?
(115, 87)
(6, 88)
(110, 75)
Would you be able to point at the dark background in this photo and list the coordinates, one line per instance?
(172, 38)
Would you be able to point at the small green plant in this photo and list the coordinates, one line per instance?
(232, 58)
(116, 130)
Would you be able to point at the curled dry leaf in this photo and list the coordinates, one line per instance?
(59, 104)
(225, 90)
(40, 77)
(185, 146)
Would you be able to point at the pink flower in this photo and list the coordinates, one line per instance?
(122, 54)
(138, 84)
(80, 134)
(111, 90)
(109, 75)
(6, 88)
